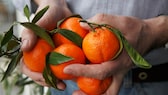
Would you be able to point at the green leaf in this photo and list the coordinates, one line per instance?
(12, 65)
(27, 12)
(22, 81)
(72, 36)
(135, 56)
(41, 90)
(1, 37)
(48, 75)
(12, 44)
(137, 59)
(39, 32)
(7, 37)
(57, 58)
(40, 14)
(48, 92)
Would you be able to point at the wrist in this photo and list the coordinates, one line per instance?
(158, 30)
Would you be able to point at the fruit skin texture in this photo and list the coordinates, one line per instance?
(92, 86)
(36, 58)
(100, 45)
(72, 24)
(70, 50)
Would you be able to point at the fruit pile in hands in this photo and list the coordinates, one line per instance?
(69, 44)
(98, 45)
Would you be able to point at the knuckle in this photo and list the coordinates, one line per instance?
(101, 75)
(126, 22)
(129, 22)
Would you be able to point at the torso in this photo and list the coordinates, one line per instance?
(138, 8)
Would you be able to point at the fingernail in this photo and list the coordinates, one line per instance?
(85, 26)
(67, 70)
(61, 86)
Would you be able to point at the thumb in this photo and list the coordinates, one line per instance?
(85, 25)
(98, 18)
(28, 40)
(116, 85)
(102, 70)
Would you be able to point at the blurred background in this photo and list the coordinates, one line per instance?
(7, 14)
(7, 17)
(16, 83)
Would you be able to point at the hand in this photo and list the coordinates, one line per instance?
(135, 31)
(57, 10)
(35, 76)
(38, 77)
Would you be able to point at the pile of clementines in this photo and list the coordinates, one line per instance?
(98, 45)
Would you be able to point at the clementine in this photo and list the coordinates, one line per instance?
(70, 50)
(73, 24)
(92, 86)
(36, 58)
(100, 45)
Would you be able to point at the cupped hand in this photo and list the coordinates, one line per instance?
(38, 77)
(57, 11)
(135, 31)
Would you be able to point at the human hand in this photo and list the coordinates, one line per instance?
(135, 31)
(35, 76)
(57, 10)
(38, 77)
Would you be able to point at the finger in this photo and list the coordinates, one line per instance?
(28, 40)
(102, 70)
(115, 86)
(41, 82)
(35, 76)
(28, 72)
(61, 85)
(38, 77)
(99, 19)
(113, 20)
(99, 71)
(85, 25)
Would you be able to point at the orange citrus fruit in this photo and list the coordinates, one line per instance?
(100, 45)
(73, 24)
(36, 58)
(70, 50)
(92, 86)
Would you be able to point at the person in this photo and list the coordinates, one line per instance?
(142, 22)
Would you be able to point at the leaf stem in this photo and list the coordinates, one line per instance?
(91, 25)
